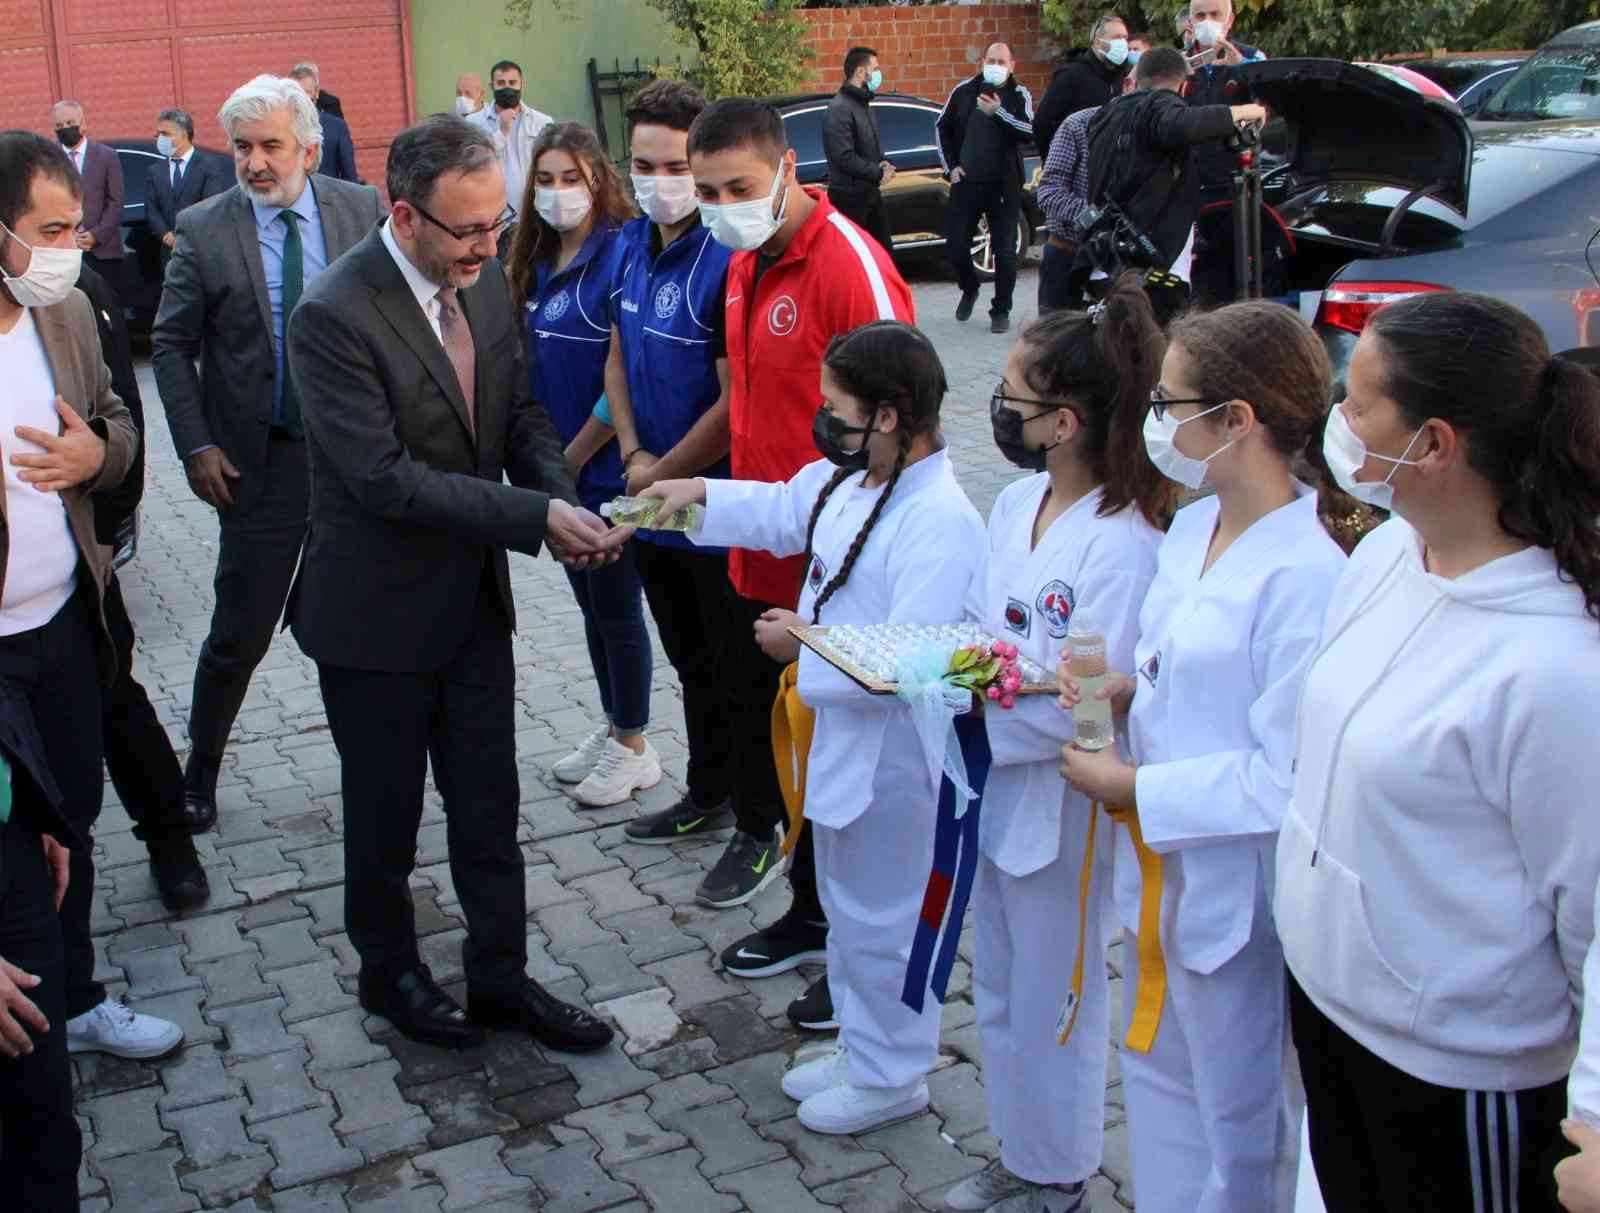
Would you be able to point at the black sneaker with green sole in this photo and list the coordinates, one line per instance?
(748, 865)
(683, 820)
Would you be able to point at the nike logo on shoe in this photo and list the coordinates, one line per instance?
(685, 827)
(744, 955)
(766, 858)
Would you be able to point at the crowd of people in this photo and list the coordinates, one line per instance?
(1340, 828)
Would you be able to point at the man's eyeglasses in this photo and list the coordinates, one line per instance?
(507, 218)
(1160, 402)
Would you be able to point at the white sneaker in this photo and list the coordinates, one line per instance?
(575, 767)
(618, 774)
(116, 1029)
(809, 1078)
(988, 1187)
(847, 1108)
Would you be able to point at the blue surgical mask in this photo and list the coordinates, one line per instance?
(995, 74)
(1133, 56)
(164, 145)
(875, 81)
(1116, 51)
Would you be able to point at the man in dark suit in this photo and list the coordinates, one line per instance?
(408, 358)
(100, 233)
(326, 102)
(338, 148)
(242, 261)
(189, 176)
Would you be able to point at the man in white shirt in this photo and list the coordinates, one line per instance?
(100, 231)
(513, 125)
(470, 97)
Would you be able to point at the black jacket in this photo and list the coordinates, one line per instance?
(1161, 132)
(113, 507)
(206, 176)
(850, 142)
(328, 103)
(986, 148)
(1219, 85)
(409, 505)
(1084, 81)
(338, 150)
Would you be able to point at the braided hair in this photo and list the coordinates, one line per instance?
(884, 363)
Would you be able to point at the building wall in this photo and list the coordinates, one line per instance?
(928, 49)
(454, 36)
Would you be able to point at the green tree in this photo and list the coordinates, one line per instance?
(747, 48)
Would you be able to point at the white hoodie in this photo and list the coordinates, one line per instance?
(1437, 867)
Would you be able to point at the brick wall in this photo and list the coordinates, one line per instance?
(927, 49)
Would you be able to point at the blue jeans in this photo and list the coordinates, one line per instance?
(612, 602)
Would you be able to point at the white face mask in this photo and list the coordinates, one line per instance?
(50, 276)
(667, 200)
(164, 145)
(562, 209)
(746, 225)
(994, 74)
(1346, 453)
(1116, 51)
(1208, 33)
(1159, 433)
(466, 107)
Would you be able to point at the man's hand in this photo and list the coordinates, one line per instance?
(1251, 114)
(640, 472)
(1230, 54)
(772, 634)
(1578, 1177)
(209, 472)
(956, 174)
(170, 240)
(580, 538)
(989, 103)
(15, 1005)
(84, 240)
(888, 172)
(73, 457)
(59, 859)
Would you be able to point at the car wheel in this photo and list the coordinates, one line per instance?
(983, 247)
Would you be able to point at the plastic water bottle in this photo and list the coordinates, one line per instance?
(1086, 663)
(640, 511)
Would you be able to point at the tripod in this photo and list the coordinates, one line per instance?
(1246, 213)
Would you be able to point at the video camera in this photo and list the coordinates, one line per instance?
(1113, 242)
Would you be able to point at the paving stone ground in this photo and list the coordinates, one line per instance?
(288, 1097)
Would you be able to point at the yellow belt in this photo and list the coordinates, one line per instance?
(1151, 993)
(792, 726)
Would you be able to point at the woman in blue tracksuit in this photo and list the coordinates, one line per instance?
(567, 251)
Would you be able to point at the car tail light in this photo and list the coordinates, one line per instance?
(1349, 305)
(1587, 306)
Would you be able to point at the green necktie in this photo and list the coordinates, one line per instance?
(5, 789)
(294, 281)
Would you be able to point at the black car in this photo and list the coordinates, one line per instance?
(1430, 205)
(1471, 81)
(915, 199)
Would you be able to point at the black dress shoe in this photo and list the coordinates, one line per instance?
(420, 1009)
(179, 877)
(200, 793)
(551, 1022)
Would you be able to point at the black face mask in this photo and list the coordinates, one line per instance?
(508, 98)
(828, 432)
(69, 135)
(1007, 424)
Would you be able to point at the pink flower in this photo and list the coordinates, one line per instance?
(1008, 701)
(993, 692)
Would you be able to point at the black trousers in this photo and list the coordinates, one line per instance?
(1385, 1142)
(56, 669)
(1055, 271)
(139, 755)
(1001, 204)
(688, 596)
(387, 727)
(111, 269)
(40, 1144)
(757, 801)
(867, 210)
(259, 549)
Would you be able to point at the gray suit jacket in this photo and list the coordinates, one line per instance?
(409, 505)
(215, 307)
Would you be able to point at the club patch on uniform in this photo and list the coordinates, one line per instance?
(817, 574)
(1054, 604)
(667, 300)
(1019, 618)
(1152, 668)
(557, 307)
(783, 316)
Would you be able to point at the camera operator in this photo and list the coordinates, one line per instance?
(1142, 174)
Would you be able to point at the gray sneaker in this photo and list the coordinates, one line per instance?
(749, 865)
(988, 1187)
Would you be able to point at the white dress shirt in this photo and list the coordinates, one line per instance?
(427, 293)
(177, 163)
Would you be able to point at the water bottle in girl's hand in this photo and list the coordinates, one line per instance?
(1086, 663)
(641, 511)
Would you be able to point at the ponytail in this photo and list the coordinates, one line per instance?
(1555, 502)
(1532, 422)
(1103, 365)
